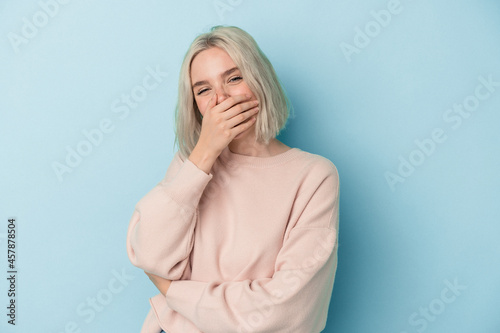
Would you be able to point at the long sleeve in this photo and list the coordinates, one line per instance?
(297, 296)
(160, 233)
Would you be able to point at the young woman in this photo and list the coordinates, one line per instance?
(241, 234)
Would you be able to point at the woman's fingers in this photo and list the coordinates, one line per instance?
(240, 118)
(235, 114)
(230, 102)
(222, 122)
(238, 113)
(211, 102)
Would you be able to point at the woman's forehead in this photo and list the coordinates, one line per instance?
(213, 63)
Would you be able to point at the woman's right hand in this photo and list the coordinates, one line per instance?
(220, 125)
(223, 122)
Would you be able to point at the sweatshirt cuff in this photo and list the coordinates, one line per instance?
(182, 295)
(187, 186)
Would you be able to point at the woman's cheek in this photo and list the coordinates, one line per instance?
(240, 90)
(202, 104)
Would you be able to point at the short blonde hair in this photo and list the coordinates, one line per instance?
(258, 74)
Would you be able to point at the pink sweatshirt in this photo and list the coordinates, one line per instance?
(249, 247)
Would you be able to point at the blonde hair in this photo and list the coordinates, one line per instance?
(258, 74)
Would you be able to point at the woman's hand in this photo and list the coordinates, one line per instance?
(160, 283)
(223, 122)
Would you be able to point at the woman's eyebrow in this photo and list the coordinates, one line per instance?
(226, 73)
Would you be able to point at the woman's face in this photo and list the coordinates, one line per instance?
(214, 72)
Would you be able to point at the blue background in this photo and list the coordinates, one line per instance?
(400, 247)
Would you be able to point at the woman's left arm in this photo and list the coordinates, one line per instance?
(295, 299)
(160, 283)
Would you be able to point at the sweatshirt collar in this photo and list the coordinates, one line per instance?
(258, 161)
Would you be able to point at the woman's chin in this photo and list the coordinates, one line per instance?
(238, 137)
(243, 135)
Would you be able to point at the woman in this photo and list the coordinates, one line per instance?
(241, 233)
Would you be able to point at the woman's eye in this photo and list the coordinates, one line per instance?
(236, 78)
(202, 91)
(233, 79)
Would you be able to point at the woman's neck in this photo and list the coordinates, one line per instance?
(251, 148)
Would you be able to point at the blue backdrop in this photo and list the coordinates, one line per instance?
(402, 96)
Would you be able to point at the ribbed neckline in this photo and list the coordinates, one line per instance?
(258, 161)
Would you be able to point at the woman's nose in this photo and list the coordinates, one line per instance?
(221, 95)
